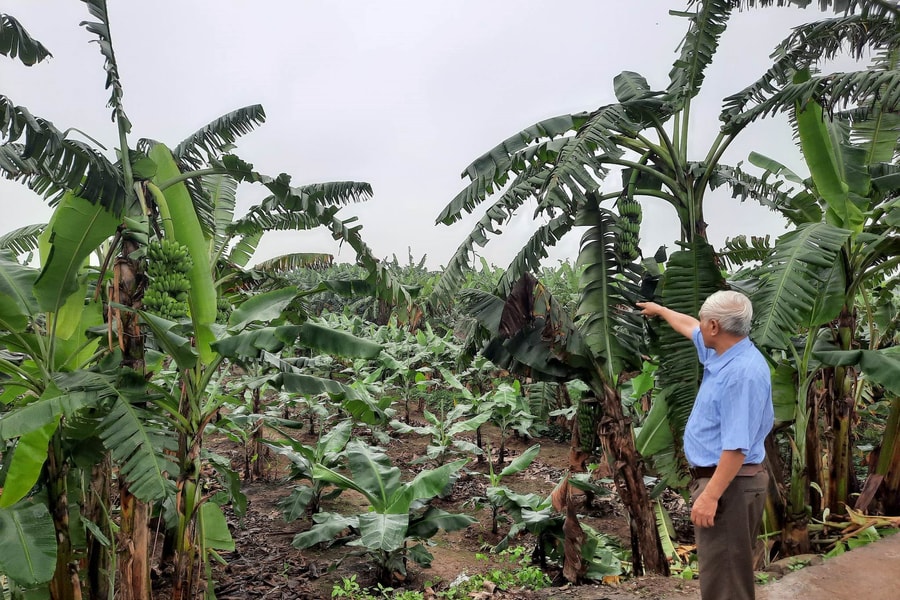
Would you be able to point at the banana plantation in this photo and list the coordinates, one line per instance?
(153, 374)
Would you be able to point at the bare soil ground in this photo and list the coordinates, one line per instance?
(265, 565)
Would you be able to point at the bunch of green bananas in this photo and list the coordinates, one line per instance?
(629, 228)
(223, 310)
(168, 264)
(587, 418)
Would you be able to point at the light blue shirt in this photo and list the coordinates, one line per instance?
(733, 409)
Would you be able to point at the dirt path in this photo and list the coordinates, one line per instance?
(868, 573)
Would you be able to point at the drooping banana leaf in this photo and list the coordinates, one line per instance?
(23, 239)
(46, 409)
(609, 291)
(214, 532)
(338, 343)
(250, 344)
(16, 42)
(427, 525)
(792, 279)
(325, 527)
(881, 366)
(138, 443)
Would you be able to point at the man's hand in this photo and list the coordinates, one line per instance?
(681, 323)
(703, 513)
(650, 309)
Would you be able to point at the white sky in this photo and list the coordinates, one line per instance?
(403, 94)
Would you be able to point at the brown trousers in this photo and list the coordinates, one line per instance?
(725, 550)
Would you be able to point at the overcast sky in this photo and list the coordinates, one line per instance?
(403, 94)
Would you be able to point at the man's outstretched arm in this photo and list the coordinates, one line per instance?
(680, 322)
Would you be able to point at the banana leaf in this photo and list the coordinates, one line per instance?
(12, 318)
(434, 519)
(48, 408)
(17, 282)
(263, 308)
(76, 229)
(181, 223)
(655, 435)
(177, 346)
(880, 366)
(822, 158)
(382, 531)
(214, 532)
(27, 463)
(28, 539)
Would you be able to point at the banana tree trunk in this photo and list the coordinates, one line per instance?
(889, 462)
(187, 499)
(127, 288)
(883, 482)
(618, 443)
(133, 567)
(804, 457)
(840, 411)
(258, 446)
(66, 584)
(96, 507)
(186, 543)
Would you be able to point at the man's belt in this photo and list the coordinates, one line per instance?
(707, 472)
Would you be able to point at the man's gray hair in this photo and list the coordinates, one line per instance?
(731, 309)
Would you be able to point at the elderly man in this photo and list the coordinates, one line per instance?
(724, 441)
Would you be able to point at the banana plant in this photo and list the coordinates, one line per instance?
(843, 245)
(495, 493)
(509, 410)
(398, 512)
(306, 498)
(46, 314)
(256, 325)
(598, 555)
(530, 335)
(444, 429)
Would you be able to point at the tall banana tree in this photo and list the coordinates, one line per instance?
(50, 397)
(530, 334)
(845, 244)
(562, 163)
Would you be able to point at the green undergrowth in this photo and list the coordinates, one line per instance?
(511, 571)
